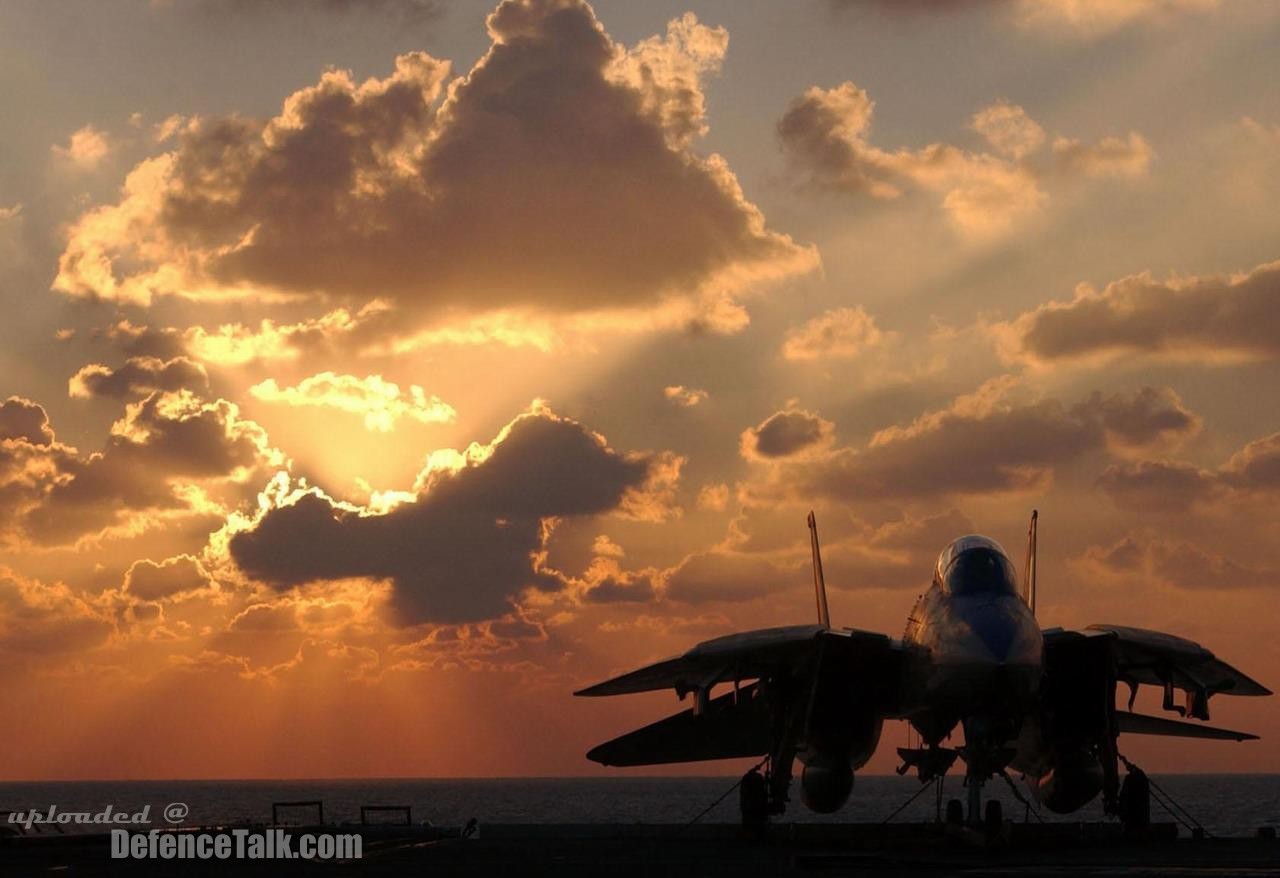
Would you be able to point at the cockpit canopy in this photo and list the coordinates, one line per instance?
(975, 565)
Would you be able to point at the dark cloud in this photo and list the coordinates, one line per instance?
(825, 134)
(379, 188)
(168, 441)
(146, 341)
(139, 376)
(787, 434)
(1209, 319)
(1151, 416)
(465, 547)
(149, 581)
(23, 420)
(32, 461)
(1148, 558)
(985, 444)
(1174, 486)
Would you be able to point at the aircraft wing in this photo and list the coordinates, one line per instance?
(732, 725)
(1140, 656)
(1141, 724)
(750, 655)
(1154, 658)
(800, 659)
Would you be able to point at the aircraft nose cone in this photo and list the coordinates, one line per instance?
(998, 638)
(994, 629)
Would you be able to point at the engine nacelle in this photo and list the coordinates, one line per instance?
(826, 783)
(1072, 782)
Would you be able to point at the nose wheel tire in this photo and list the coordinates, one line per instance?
(993, 817)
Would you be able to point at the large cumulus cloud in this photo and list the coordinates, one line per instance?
(466, 541)
(556, 175)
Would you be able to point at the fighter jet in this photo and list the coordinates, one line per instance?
(1041, 702)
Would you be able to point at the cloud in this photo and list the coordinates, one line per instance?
(1209, 319)
(149, 581)
(895, 554)
(266, 617)
(1109, 157)
(1098, 17)
(39, 620)
(138, 376)
(626, 588)
(1147, 558)
(380, 402)
(728, 576)
(433, 193)
(824, 133)
(685, 397)
(1152, 416)
(86, 148)
(466, 545)
(713, 497)
(171, 454)
(1009, 129)
(1078, 18)
(1174, 486)
(984, 443)
(789, 433)
(25, 421)
(842, 332)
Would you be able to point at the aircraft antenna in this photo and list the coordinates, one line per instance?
(1029, 579)
(819, 584)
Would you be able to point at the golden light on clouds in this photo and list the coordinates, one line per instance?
(400, 389)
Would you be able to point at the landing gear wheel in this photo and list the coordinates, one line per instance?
(993, 817)
(955, 812)
(753, 799)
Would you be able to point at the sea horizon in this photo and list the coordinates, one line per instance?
(1225, 803)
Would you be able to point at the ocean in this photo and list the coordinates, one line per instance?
(1225, 804)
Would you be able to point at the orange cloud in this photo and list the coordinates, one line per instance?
(1174, 486)
(824, 132)
(1005, 446)
(380, 402)
(159, 459)
(842, 332)
(686, 397)
(86, 148)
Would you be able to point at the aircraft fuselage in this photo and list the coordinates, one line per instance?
(979, 651)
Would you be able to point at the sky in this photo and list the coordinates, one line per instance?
(375, 374)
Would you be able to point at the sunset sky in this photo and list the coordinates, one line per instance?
(378, 373)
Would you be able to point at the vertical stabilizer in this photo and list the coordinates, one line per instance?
(1029, 579)
(819, 584)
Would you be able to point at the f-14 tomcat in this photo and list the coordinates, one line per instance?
(1041, 702)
